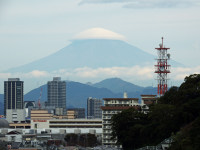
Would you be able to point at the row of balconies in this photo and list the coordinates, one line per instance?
(106, 127)
(106, 122)
(106, 137)
(107, 141)
(110, 112)
(122, 102)
(107, 117)
(107, 132)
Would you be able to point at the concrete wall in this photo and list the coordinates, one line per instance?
(15, 115)
(39, 124)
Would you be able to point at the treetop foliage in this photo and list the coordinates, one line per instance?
(179, 107)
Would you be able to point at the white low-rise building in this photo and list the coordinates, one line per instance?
(69, 125)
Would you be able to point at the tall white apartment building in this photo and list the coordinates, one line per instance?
(114, 106)
(56, 94)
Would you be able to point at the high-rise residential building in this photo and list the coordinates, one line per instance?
(13, 94)
(57, 95)
(114, 106)
(94, 108)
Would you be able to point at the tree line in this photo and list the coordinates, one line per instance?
(176, 115)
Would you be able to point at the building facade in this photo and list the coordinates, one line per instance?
(114, 106)
(78, 113)
(57, 95)
(71, 114)
(40, 118)
(13, 94)
(15, 115)
(94, 108)
(148, 99)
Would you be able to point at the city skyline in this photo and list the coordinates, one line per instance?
(33, 30)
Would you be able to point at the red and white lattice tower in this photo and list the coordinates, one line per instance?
(162, 68)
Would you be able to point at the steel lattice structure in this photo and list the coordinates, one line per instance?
(162, 68)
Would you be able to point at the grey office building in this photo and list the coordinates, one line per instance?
(94, 108)
(57, 95)
(13, 94)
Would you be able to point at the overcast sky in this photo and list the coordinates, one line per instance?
(30, 30)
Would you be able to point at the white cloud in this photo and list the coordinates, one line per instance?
(36, 74)
(143, 76)
(5, 75)
(180, 73)
(98, 33)
(32, 74)
(135, 73)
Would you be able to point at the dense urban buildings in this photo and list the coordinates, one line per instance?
(52, 119)
(94, 108)
(114, 106)
(57, 95)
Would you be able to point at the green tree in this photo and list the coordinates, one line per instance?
(188, 138)
(127, 127)
(71, 139)
(85, 140)
(176, 110)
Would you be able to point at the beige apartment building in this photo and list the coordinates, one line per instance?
(114, 106)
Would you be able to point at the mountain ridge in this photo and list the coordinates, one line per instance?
(117, 85)
(77, 93)
(91, 53)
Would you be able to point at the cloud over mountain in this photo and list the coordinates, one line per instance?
(96, 48)
(95, 54)
(98, 33)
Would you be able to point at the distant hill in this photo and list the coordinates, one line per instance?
(149, 90)
(34, 94)
(77, 93)
(118, 85)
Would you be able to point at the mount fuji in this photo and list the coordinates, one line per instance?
(92, 48)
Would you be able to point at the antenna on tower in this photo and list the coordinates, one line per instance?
(162, 68)
(39, 104)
